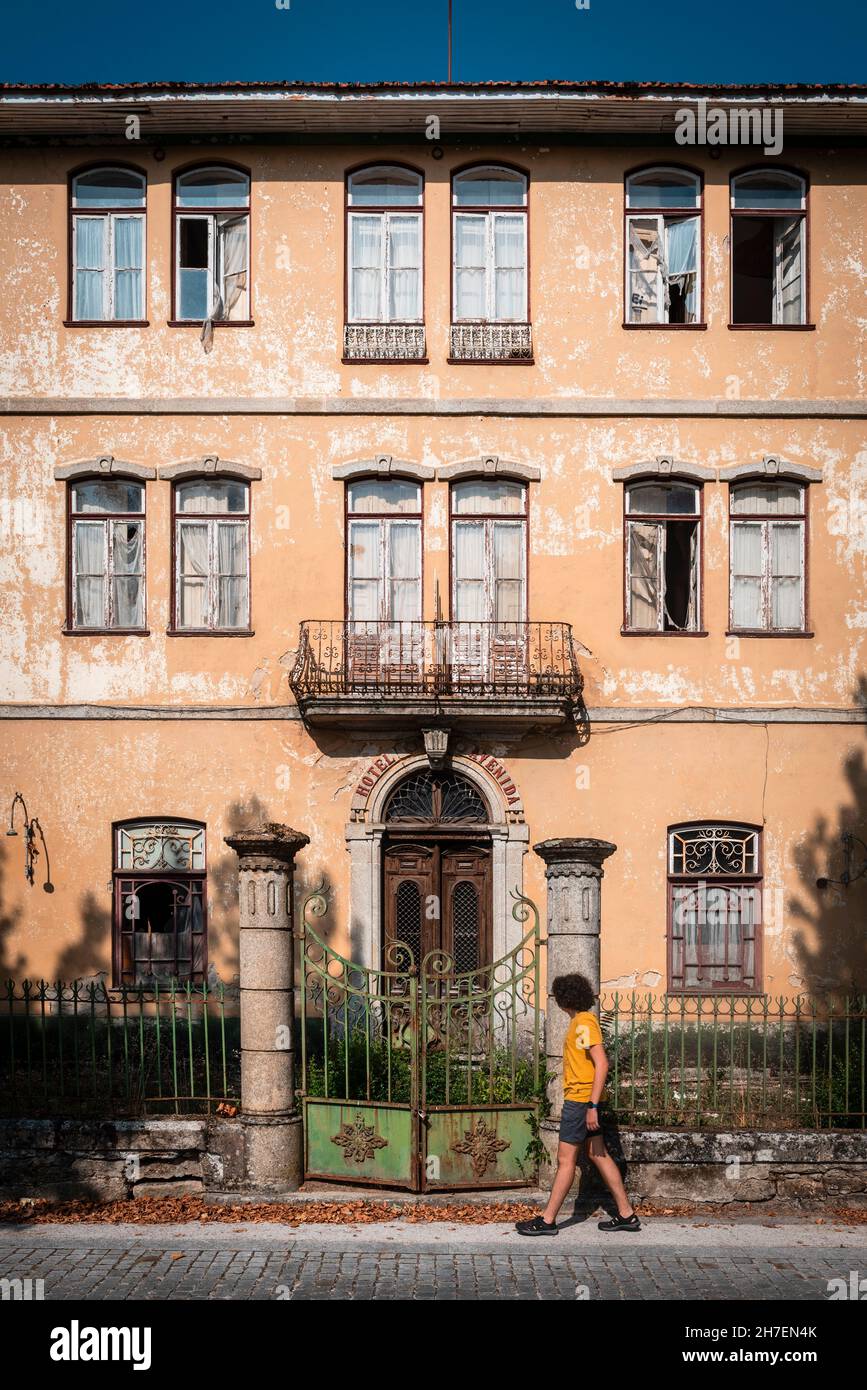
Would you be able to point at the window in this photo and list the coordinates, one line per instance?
(489, 580)
(384, 528)
(769, 249)
(768, 559)
(107, 556)
(107, 231)
(212, 556)
(212, 246)
(663, 247)
(160, 907)
(384, 241)
(715, 901)
(490, 246)
(663, 550)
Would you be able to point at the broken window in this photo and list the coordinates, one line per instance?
(715, 908)
(108, 245)
(490, 246)
(384, 246)
(769, 255)
(663, 249)
(662, 557)
(160, 908)
(212, 227)
(212, 556)
(768, 560)
(107, 566)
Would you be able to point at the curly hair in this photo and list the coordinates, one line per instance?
(573, 992)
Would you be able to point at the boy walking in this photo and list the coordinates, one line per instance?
(585, 1068)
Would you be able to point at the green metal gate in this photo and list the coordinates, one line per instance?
(418, 1075)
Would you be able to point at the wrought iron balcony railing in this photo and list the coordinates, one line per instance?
(387, 342)
(441, 662)
(491, 342)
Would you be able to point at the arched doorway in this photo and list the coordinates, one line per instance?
(437, 869)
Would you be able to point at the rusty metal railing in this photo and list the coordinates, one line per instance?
(469, 659)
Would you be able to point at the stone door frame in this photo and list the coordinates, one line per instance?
(510, 839)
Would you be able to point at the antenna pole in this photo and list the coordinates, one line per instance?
(450, 41)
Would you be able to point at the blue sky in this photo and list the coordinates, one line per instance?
(369, 40)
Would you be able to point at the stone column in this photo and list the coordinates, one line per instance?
(272, 1128)
(573, 869)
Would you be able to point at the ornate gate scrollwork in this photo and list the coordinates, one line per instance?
(419, 1074)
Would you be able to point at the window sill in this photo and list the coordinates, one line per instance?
(105, 632)
(647, 632)
(210, 632)
(761, 632)
(106, 323)
(491, 361)
(752, 992)
(218, 323)
(678, 327)
(772, 327)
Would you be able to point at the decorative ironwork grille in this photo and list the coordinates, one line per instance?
(441, 798)
(700, 850)
(465, 927)
(158, 846)
(383, 341)
(492, 342)
(408, 920)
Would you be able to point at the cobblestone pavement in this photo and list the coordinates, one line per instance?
(387, 1262)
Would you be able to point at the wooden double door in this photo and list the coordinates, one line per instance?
(437, 897)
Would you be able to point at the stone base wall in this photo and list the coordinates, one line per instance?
(735, 1166)
(112, 1160)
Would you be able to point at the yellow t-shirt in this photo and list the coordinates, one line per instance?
(578, 1069)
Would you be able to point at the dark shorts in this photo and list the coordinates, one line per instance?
(573, 1123)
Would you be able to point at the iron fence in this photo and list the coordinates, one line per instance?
(739, 1062)
(381, 659)
(84, 1048)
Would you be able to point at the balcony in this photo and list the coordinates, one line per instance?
(378, 674)
(491, 342)
(383, 342)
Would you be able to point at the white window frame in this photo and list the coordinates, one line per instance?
(766, 522)
(212, 216)
(213, 521)
(777, 214)
(660, 520)
(490, 216)
(108, 216)
(107, 521)
(383, 578)
(385, 220)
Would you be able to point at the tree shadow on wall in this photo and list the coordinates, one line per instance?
(831, 946)
(79, 961)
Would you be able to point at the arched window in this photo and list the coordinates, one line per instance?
(490, 246)
(436, 798)
(715, 908)
(769, 249)
(662, 533)
(212, 555)
(768, 556)
(384, 245)
(107, 234)
(160, 904)
(106, 555)
(212, 246)
(663, 247)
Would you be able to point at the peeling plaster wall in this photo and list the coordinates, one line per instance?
(627, 784)
(804, 782)
(576, 247)
(576, 561)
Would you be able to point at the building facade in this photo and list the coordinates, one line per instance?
(437, 497)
